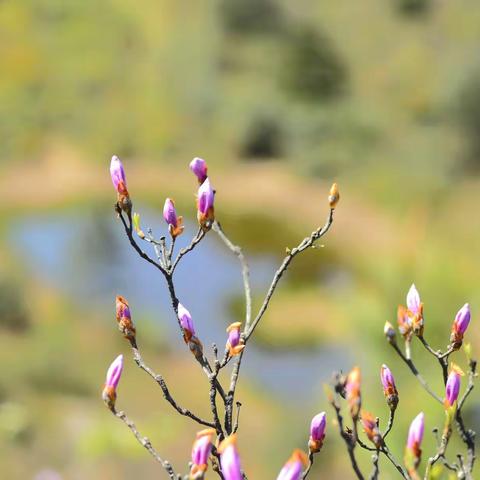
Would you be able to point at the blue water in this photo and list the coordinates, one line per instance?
(87, 257)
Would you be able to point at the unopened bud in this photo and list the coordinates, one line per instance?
(114, 373)
(334, 196)
(390, 333)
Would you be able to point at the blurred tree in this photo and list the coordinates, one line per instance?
(251, 16)
(469, 119)
(413, 7)
(313, 70)
(262, 139)
(13, 313)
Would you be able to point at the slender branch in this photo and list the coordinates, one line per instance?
(245, 271)
(394, 462)
(145, 442)
(441, 357)
(237, 418)
(391, 419)
(442, 447)
(376, 468)
(309, 466)
(195, 241)
(306, 243)
(414, 370)
(467, 435)
(129, 232)
(166, 393)
(349, 437)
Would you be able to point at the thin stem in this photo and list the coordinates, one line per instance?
(145, 442)
(414, 370)
(195, 241)
(391, 419)
(376, 468)
(441, 357)
(237, 418)
(394, 462)
(309, 466)
(166, 393)
(304, 244)
(349, 438)
(217, 228)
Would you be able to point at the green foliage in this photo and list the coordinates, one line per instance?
(313, 69)
(13, 312)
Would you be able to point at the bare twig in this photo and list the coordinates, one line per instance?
(414, 370)
(166, 393)
(145, 442)
(245, 271)
(195, 241)
(309, 466)
(349, 438)
(304, 244)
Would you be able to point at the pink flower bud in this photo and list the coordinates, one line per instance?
(124, 318)
(117, 173)
(352, 388)
(120, 183)
(370, 428)
(452, 387)
(201, 451)
(317, 432)
(230, 459)
(462, 319)
(234, 343)
(186, 321)
(415, 308)
(404, 322)
(389, 388)
(175, 224)
(413, 300)
(206, 197)
(460, 325)
(293, 469)
(114, 373)
(199, 167)
(415, 435)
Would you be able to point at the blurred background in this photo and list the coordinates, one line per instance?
(281, 98)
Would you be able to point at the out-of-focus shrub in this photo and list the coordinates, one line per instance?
(251, 16)
(13, 312)
(413, 7)
(262, 138)
(469, 120)
(313, 70)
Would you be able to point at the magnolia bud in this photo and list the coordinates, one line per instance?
(114, 373)
(334, 196)
(205, 200)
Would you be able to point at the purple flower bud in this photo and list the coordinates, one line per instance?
(114, 372)
(317, 432)
(169, 212)
(318, 425)
(206, 196)
(462, 319)
(234, 343)
(293, 469)
(413, 300)
(452, 387)
(388, 381)
(185, 320)
(415, 434)
(229, 459)
(117, 173)
(201, 451)
(199, 167)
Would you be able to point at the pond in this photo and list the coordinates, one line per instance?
(87, 257)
